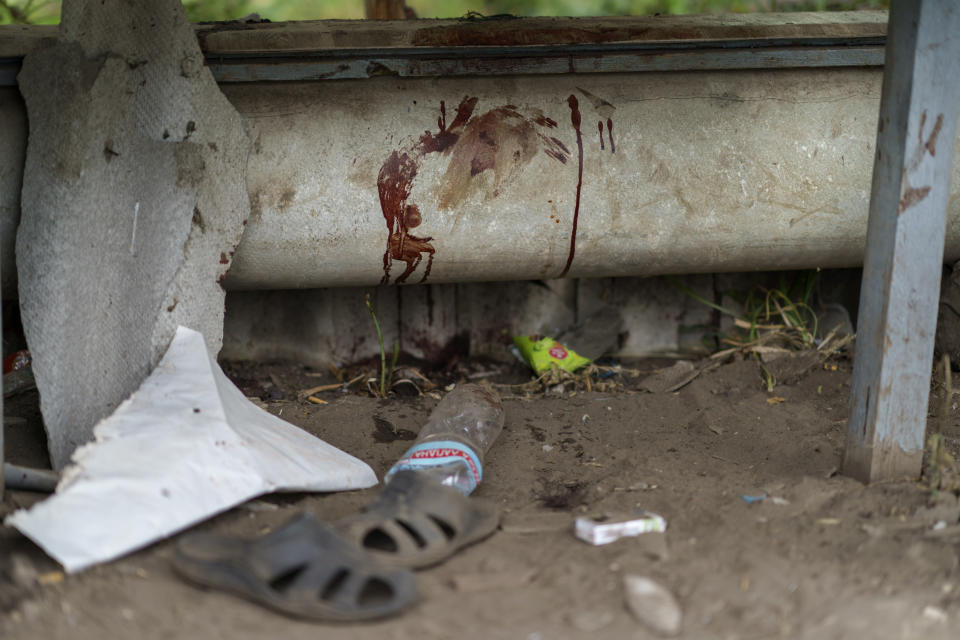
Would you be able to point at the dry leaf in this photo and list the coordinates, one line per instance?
(50, 577)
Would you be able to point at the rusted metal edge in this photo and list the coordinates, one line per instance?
(356, 49)
(27, 479)
(503, 31)
(315, 35)
(227, 70)
(497, 61)
(229, 38)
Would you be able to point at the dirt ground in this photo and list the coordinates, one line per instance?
(829, 558)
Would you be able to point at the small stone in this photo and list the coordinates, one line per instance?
(258, 505)
(652, 604)
(935, 614)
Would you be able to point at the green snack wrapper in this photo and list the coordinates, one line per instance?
(542, 353)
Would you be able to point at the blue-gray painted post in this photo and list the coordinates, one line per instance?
(2, 427)
(905, 237)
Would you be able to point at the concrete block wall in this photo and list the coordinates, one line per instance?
(316, 327)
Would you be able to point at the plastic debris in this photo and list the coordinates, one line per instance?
(185, 446)
(27, 479)
(541, 353)
(652, 604)
(16, 361)
(451, 445)
(753, 499)
(604, 529)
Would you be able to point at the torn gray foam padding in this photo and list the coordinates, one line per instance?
(134, 198)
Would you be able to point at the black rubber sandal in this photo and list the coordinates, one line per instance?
(303, 568)
(416, 522)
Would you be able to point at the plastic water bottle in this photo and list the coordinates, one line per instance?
(458, 433)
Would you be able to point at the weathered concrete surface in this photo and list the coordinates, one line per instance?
(321, 326)
(712, 172)
(312, 327)
(947, 339)
(718, 171)
(133, 202)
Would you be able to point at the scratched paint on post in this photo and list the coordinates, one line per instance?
(913, 195)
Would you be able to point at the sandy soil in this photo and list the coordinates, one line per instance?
(832, 559)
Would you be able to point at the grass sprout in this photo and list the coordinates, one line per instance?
(386, 375)
(772, 322)
(942, 472)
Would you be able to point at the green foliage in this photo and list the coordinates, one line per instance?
(772, 320)
(942, 472)
(787, 307)
(386, 375)
(48, 11)
(29, 11)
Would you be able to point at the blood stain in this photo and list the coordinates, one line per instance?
(575, 121)
(501, 140)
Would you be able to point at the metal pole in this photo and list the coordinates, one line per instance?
(26, 479)
(2, 426)
(905, 241)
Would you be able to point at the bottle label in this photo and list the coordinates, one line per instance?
(442, 452)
